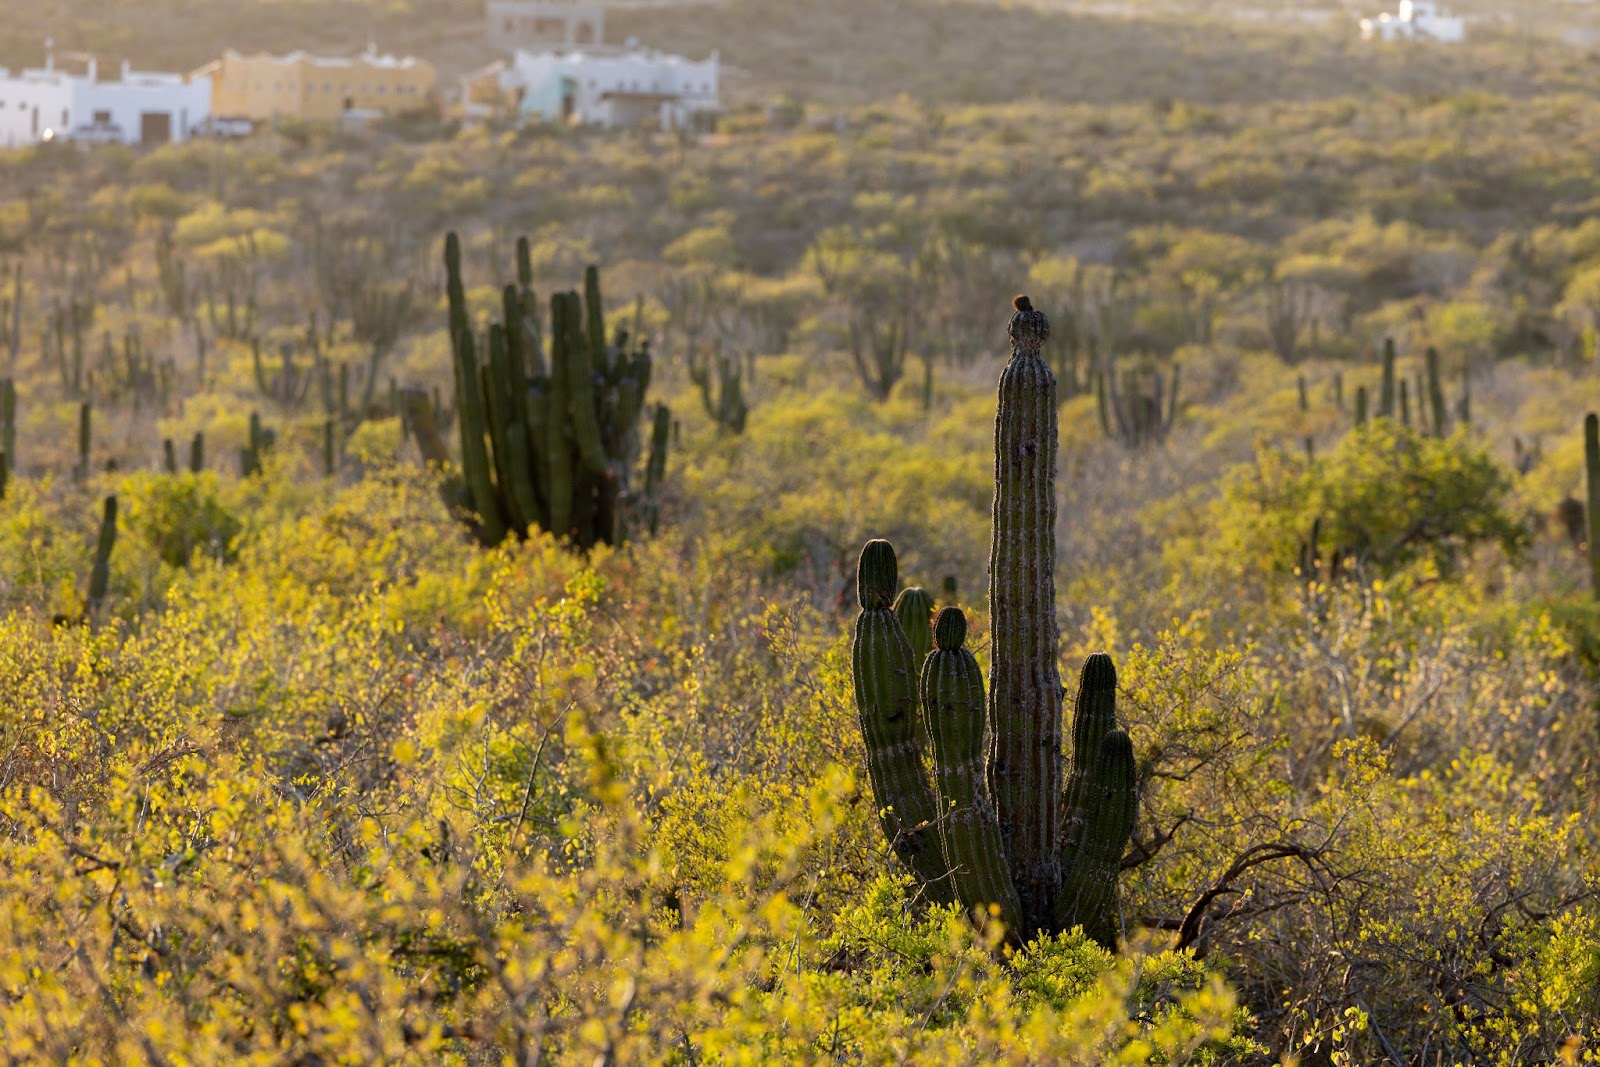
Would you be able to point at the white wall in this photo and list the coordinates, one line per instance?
(690, 86)
(127, 101)
(32, 102)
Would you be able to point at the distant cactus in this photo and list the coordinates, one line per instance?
(1591, 469)
(1139, 411)
(80, 473)
(554, 448)
(1019, 835)
(1386, 397)
(721, 385)
(8, 419)
(100, 575)
(254, 452)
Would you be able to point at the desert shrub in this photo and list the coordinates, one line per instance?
(1384, 499)
(177, 515)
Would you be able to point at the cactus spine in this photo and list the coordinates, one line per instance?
(1061, 842)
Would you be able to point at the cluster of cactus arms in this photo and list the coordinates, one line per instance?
(1141, 409)
(255, 450)
(288, 385)
(1000, 823)
(550, 425)
(721, 385)
(1420, 403)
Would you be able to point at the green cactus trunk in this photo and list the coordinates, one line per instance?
(85, 442)
(1441, 425)
(969, 829)
(886, 700)
(100, 574)
(1102, 802)
(914, 606)
(1386, 398)
(1024, 686)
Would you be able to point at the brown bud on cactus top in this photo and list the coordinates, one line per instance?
(1029, 329)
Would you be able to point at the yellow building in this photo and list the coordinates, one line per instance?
(304, 86)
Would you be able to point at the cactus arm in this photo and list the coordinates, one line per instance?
(474, 450)
(1024, 686)
(969, 830)
(914, 606)
(578, 389)
(557, 423)
(886, 700)
(1101, 805)
(1172, 401)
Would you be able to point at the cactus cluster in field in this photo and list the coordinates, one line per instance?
(550, 419)
(1141, 409)
(999, 823)
(254, 451)
(1420, 403)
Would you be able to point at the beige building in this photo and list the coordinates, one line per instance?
(299, 85)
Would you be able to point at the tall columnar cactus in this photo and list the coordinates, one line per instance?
(549, 445)
(885, 673)
(1386, 398)
(8, 419)
(1024, 686)
(100, 574)
(1020, 837)
(85, 441)
(1436, 406)
(1591, 469)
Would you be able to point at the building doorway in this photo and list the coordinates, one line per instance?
(155, 127)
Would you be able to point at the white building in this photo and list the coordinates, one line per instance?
(34, 105)
(140, 107)
(1417, 20)
(622, 87)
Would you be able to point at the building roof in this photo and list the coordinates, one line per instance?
(369, 59)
